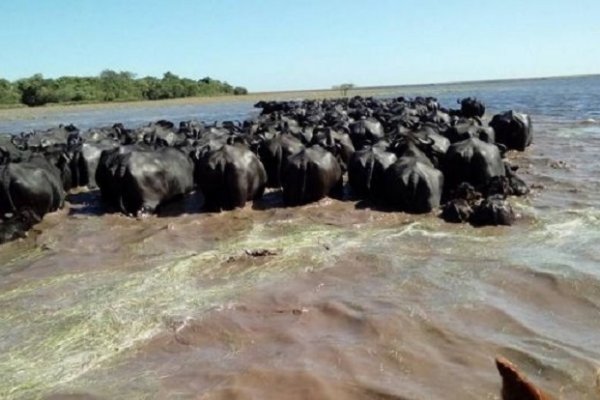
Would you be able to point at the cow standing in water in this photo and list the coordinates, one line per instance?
(29, 189)
(229, 176)
(135, 179)
(412, 155)
(33, 185)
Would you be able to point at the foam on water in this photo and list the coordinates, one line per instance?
(111, 311)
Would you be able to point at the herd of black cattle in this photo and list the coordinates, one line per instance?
(401, 154)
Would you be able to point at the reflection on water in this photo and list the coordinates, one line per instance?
(347, 302)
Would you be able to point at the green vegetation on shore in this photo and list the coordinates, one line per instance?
(109, 86)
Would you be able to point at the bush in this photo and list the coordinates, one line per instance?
(9, 94)
(343, 88)
(108, 86)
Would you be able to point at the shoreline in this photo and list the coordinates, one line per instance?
(32, 113)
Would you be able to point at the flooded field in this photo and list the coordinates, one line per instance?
(327, 301)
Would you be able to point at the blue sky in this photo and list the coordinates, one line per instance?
(302, 44)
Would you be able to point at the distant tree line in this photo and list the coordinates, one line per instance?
(108, 86)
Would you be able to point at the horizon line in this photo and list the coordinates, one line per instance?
(443, 83)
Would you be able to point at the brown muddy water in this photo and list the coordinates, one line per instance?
(345, 303)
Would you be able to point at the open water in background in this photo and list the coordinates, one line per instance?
(356, 303)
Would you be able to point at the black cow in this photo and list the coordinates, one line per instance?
(66, 160)
(472, 161)
(494, 210)
(89, 156)
(471, 107)
(33, 185)
(60, 135)
(273, 154)
(513, 130)
(457, 210)
(365, 131)
(310, 175)
(62, 154)
(337, 143)
(411, 145)
(161, 133)
(465, 128)
(138, 179)
(366, 171)
(13, 148)
(229, 176)
(412, 185)
(17, 225)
